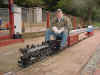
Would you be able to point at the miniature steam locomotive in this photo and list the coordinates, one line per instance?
(34, 53)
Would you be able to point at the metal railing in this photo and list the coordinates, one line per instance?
(4, 15)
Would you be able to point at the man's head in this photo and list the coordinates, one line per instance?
(59, 13)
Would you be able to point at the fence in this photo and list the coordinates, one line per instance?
(28, 16)
(29, 21)
(4, 15)
(29, 24)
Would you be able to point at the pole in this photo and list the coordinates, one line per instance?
(74, 22)
(48, 19)
(11, 17)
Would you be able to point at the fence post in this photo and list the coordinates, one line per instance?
(81, 22)
(11, 17)
(74, 22)
(48, 19)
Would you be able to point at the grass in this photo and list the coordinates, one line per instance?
(97, 24)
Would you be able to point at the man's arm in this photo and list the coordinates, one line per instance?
(52, 25)
(68, 24)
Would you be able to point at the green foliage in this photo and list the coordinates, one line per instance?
(87, 9)
(2, 4)
(65, 5)
(96, 24)
(51, 4)
(29, 3)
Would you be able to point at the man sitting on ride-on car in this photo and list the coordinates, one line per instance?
(60, 26)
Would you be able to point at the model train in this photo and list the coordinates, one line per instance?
(33, 53)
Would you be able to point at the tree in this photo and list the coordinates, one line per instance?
(86, 8)
(29, 3)
(83, 8)
(2, 4)
(51, 4)
(65, 5)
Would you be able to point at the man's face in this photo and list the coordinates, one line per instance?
(59, 14)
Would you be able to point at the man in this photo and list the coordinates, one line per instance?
(59, 27)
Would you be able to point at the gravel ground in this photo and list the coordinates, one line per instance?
(93, 64)
(9, 54)
(68, 62)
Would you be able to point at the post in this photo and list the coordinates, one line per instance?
(11, 17)
(48, 19)
(74, 22)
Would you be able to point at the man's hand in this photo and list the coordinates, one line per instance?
(61, 30)
(55, 29)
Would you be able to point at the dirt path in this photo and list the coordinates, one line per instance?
(68, 62)
(9, 55)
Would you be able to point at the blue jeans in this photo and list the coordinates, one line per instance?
(0, 22)
(62, 35)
